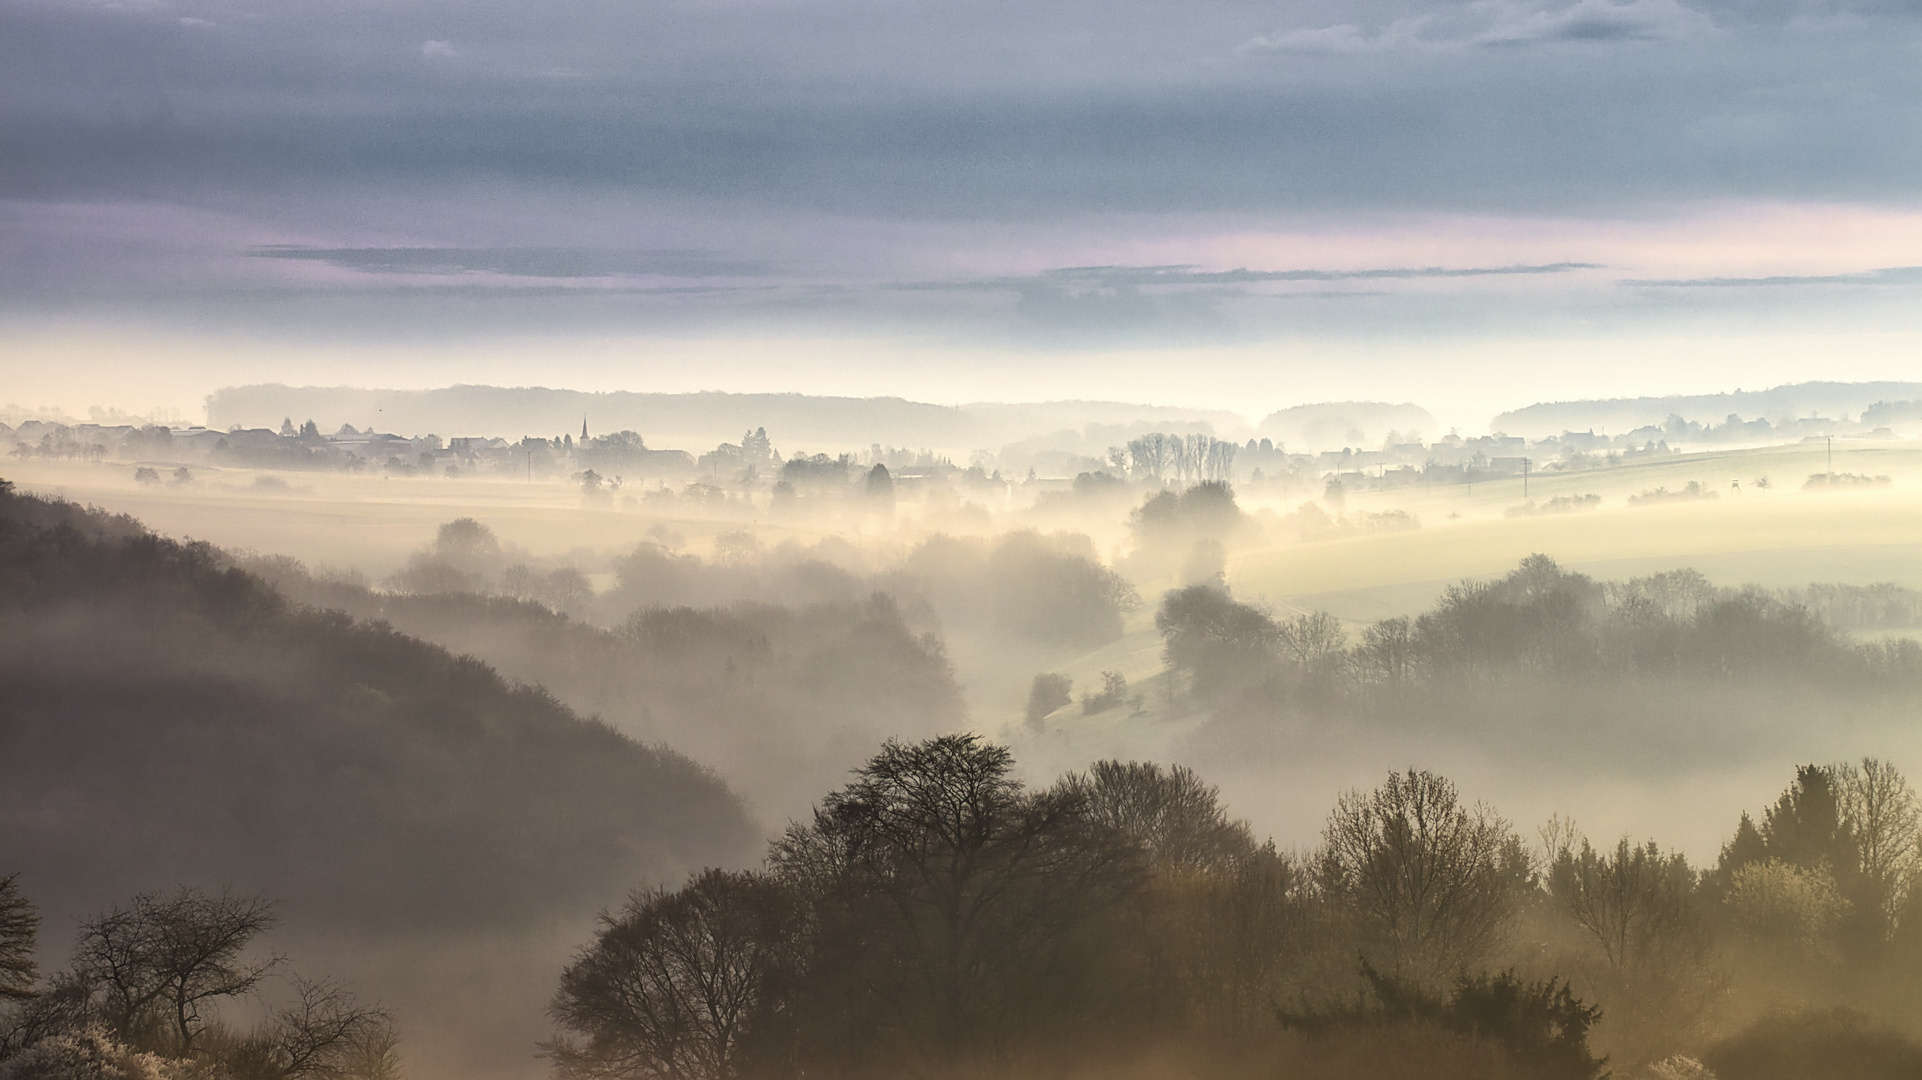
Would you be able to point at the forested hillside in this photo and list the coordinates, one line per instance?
(780, 668)
(782, 698)
(167, 719)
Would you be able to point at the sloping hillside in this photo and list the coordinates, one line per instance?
(167, 719)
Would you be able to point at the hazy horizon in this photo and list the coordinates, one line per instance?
(807, 480)
(1465, 206)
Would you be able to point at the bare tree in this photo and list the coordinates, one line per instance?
(1388, 650)
(1633, 901)
(959, 899)
(19, 923)
(1223, 912)
(1881, 815)
(1219, 463)
(1150, 455)
(1230, 936)
(1175, 816)
(153, 965)
(1636, 905)
(1424, 881)
(329, 1034)
(1677, 594)
(668, 987)
(1314, 641)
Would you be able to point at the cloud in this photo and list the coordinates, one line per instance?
(1595, 21)
(538, 262)
(943, 112)
(581, 262)
(1187, 275)
(953, 149)
(1340, 38)
(1893, 275)
(1497, 23)
(1136, 277)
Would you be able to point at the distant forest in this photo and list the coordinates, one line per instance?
(1550, 658)
(1832, 399)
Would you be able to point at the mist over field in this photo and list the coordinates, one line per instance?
(755, 540)
(1309, 744)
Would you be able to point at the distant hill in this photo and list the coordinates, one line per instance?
(1335, 424)
(783, 698)
(166, 719)
(1008, 423)
(686, 421)
(1614, 416)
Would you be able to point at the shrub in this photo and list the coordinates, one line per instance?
(86, 1055)
(1540, 1028)
(1813, 1044)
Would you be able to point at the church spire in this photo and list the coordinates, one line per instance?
(583, 427)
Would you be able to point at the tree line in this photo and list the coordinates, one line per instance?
(1185, 459)
(1538, 625)
(935, 916)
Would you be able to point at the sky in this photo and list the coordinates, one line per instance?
(1472, 205)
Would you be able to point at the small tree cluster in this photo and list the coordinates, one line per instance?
(1539, 625)
(935, 915)
(1184, 459)
(143, 989)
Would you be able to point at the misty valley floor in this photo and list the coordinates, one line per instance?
(508, 686)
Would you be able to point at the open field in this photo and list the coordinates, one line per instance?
(370, 524)
(1778, 536)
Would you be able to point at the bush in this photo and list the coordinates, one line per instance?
(87, 1055)
(1114, 693)
(1048, 693)
(1540, 1028)
(1692, 493)
(1844, 481)
(1815, 1044)
(1679, 1067)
